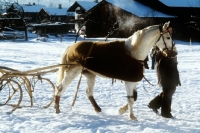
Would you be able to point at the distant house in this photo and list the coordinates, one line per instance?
(54, 14)
(30, 11)
(80, 8)
(119, 17)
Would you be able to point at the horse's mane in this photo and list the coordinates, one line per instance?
(145, 30)
(137, 37)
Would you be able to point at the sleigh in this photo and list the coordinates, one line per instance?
(18, 82)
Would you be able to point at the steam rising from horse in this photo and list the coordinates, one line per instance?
(121, 60)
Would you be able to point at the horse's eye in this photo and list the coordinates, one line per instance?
(168, 37)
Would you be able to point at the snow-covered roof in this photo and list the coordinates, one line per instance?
(137, 8)
(32, 8)
(181, 3)
(87, 5)
(56, 11)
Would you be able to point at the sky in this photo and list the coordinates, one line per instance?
(35, 53)
(65, 3)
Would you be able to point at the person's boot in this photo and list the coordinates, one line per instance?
(166, 114)
(155, 103)
(166, 110)
(166, 106)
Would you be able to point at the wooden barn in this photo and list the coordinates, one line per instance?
(117, 18)
(59, 14)
(31, 11)
(186, 26)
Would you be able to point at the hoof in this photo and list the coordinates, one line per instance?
(57, 111)
(132, 117)
(122, 111)
(98, 110)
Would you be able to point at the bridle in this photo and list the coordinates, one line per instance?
(166, 52)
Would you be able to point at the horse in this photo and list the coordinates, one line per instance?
(122, 60)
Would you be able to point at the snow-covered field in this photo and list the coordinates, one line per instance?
(27, 55)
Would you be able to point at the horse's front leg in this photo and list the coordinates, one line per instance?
(90, 89)
(131, 96)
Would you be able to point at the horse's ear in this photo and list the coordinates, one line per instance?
(166, 25)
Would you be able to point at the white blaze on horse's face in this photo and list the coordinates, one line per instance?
(165, 40)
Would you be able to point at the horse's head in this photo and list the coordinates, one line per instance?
(165, 43)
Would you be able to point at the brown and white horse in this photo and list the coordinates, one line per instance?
(121, 60)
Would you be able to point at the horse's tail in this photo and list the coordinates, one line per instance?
(62, 68)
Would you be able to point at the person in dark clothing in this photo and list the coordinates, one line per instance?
(145, 63)
(153, 54)
(168, 78)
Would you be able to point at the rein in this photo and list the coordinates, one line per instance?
(149, 84)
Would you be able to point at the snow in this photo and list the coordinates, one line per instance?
(32, 54)
(56, 11)
(138, 9)
(87, 5)
(32, 8)
(181, 3)
(50, 10)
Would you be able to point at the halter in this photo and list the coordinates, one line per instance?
(161, 36)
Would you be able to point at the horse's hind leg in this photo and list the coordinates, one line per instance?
(132, 96)
(90, 89)
(69, 76)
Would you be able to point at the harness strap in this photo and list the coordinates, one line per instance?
(77, 88)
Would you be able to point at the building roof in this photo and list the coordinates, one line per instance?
(86, 5)
(32, 7)
(56, 11)
(137, 8)
(181, 3)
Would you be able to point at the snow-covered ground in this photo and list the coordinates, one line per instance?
(27, 55)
